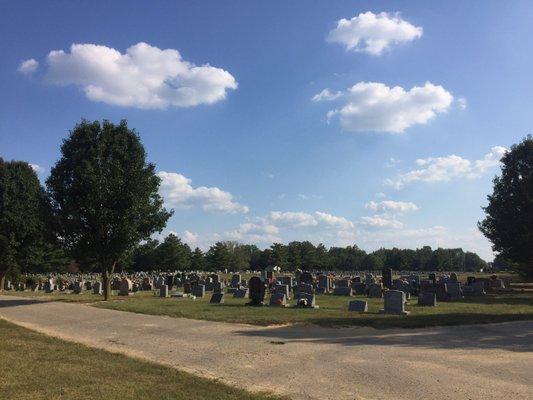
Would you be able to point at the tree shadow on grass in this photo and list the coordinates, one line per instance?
(6, 302)
(516, 336)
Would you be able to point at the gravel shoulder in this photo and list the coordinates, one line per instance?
(492, 361)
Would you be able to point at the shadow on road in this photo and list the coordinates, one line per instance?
(7, 302)
(514, 336)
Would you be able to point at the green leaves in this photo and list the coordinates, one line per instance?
(104, 194)
(509, 215)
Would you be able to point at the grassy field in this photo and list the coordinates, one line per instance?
(34, 366)
(332, 312)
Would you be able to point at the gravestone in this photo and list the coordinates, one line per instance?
(386, 277)
(454, 290)
(125, 287)
(256, 291)
(342, 291)
(49, 286)
(440, 290)
(306, 277)
(356, 279)
(432, 277)
(358, 306)
(359, 288)
(370, 279)
(278, 299)
(217, 298)
(496, 284)
(470, 280)
(287, 280)
(147, 284)
(78, 287)
(304, 288)
(240, 293)
(394, 303)
(342, 283)
(285, 289)
(218, 287)
(478, 288)
(235, 280)
(305, 300)
(88, 285)
(97, 288)
(198, 291)
(428, 299)
(187, 287)
(163, 291)
(375, 291)
(324, 281)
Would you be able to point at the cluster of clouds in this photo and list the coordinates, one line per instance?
(373, 33)
(143, 77)
(375, 107)
(178, 192)
(439, 169)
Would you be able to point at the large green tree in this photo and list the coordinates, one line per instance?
(509, 215)
(173, 254)
(104, 195)
(23, 210)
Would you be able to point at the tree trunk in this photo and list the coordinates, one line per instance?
(107, 273)
(2, 280)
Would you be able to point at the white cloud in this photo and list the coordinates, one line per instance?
(293, 219)
(382, 221)
(144, 76)
(177, 191)
(260, 230)
(375, 107)
(438, 169)
(380, 195)
(462, 103)
(326, 95)
(190, 238)
(37, 168)
(391, 206)
(28, 66)
(301, 219)
(373, 33)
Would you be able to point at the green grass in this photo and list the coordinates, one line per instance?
(333, 311)
(35, 366)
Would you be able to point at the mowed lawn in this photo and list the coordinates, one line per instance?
(34, 366)
(333, 311)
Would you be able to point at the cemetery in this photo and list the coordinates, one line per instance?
(320, 298)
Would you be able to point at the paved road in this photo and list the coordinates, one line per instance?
(469, 362)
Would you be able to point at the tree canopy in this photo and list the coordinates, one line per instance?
(509, 214)
(104, 195)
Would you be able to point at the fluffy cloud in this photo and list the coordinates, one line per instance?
(190, 238)
(381, 222)
(391, 206)
(177, 191)
(373, 33)
(259, 230)
(28, 67)
(375, 107)
(437, 169)
(302, 219)
(143, 77)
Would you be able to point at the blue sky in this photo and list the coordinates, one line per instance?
(422, 98)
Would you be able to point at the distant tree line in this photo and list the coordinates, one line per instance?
(173, 254)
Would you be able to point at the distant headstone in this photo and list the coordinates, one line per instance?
(235, 280)
(187, 287)
(217, 298)
(394, 303)
(342, 291)
(427, 299)
(125, 287)
(359, 288)
(358, 306)
(78, 287)
(49, 286)
(375, 291)
(97, 288)
(198, 291)
(305, 300)
(240, 293)
(256, 291)
(454, 290)
(163, 291)
(284, 289)
(278, 300)
(432, 277)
